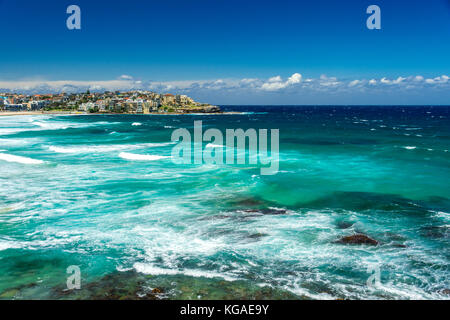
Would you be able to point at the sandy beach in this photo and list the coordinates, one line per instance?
(30, 113)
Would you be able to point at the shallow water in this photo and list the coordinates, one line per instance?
(101, 192)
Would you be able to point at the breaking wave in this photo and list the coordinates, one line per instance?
(19, 159)
(141, 157)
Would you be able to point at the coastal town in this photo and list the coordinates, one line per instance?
(130, 102)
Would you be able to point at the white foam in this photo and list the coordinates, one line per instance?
(19, 159)
(4, 245)
(410, 147)
(212, 145)
(136, 124)
(141, 157)
(105, 148)
(17, 142)
(50, 126)
(87, 149)
(149, 269)
(6, 131)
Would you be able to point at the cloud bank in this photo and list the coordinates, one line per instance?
(274, 88)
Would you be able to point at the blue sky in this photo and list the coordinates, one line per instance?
(233, 51)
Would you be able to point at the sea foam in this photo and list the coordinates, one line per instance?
(105, 148)
(149, 269)
(19, 159)
(212, 145)
(141, 157)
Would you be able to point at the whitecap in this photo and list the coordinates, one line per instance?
(141, 157)
(17, 142)
(50, 126)
(4, 245)
(149, 269)
(6, 131)
(212, 145)
(105, 148)
(136, 124)
(87, 149)
(409, 147)
(19, 159)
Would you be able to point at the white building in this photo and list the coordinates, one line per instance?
(85, 107)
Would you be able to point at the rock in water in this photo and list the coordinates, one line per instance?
(358, 239)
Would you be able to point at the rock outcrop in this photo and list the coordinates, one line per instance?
(358, 239)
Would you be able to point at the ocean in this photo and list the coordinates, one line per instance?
(101, 192)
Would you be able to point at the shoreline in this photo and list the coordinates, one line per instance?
(74, 113)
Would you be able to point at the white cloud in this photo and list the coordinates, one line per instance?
(353, 83)
(398, 80)
(277, 83)
(275, 79)
(437, 80)
(125, 77)
(295, 84)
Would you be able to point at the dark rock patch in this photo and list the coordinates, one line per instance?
(357, 239)
(131, 285)
(362, 201)
(399, 245)
(344, 224)
(267, 211)
(248, 202)
(445, 292)
(435, 232)
(257, 236)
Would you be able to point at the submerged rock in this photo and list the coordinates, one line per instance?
(267, 211)
(435, 232)
(248, 202)
(445, 292)
(257, 236)
(358, 239)
(9, 294)
(344, 224)
(157, 291)
(399, 245)
(363, 201)
(130, 285)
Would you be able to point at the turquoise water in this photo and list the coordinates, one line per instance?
(73, 192)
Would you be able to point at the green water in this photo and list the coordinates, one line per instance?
(78, 195)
